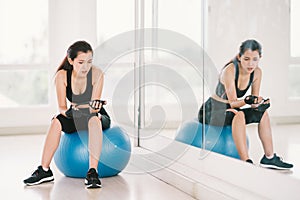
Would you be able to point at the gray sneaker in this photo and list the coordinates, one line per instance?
(274, 163)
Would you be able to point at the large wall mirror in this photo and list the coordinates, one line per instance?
(179, 50)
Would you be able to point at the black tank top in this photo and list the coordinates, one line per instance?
(220, 90)
(84, 97)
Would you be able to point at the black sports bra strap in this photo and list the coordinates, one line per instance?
(236, 66)
(69, 74)
(89, 77)
(69, 89)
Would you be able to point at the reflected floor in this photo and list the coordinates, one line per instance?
(286, 141)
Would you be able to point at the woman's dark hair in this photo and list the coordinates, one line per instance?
(253, 45)
(72, 52)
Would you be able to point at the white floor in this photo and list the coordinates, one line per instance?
(21, 154)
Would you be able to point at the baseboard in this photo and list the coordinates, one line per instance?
(282, 120)
(23, 130)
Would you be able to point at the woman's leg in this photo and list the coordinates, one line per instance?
(265, 134)
(51, 142)
(239, 134)
(95, 141)
(270, 160)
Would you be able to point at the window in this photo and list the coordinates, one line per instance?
(23, 52)
(24, 65)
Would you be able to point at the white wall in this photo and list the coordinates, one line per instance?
(70, 20)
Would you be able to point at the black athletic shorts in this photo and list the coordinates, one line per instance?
(79, 124)
(216, 114)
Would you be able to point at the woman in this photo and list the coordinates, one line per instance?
(79, 82)
(224, 107)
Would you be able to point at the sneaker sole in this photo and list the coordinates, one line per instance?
(273, 167)
(93, 185)
(44, 180)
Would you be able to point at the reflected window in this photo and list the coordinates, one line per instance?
(294, 68)
(295, 28)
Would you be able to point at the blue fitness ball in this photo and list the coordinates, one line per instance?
(217, 138)
(72, 155)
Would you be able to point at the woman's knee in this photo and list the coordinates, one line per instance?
(55, 123)
(265, 116)
(240, 116)
(94, 121)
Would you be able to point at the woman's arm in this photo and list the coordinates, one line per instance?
(256, 86)
(228, 79)
(61, 84)
(98, 81)
(256, 82)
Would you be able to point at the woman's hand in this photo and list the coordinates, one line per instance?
(251, 99)
(95, 105)
(257, 103)
(73, 112)
(262, 105)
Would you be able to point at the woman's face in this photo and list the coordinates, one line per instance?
(249, 60)
(82, 63)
